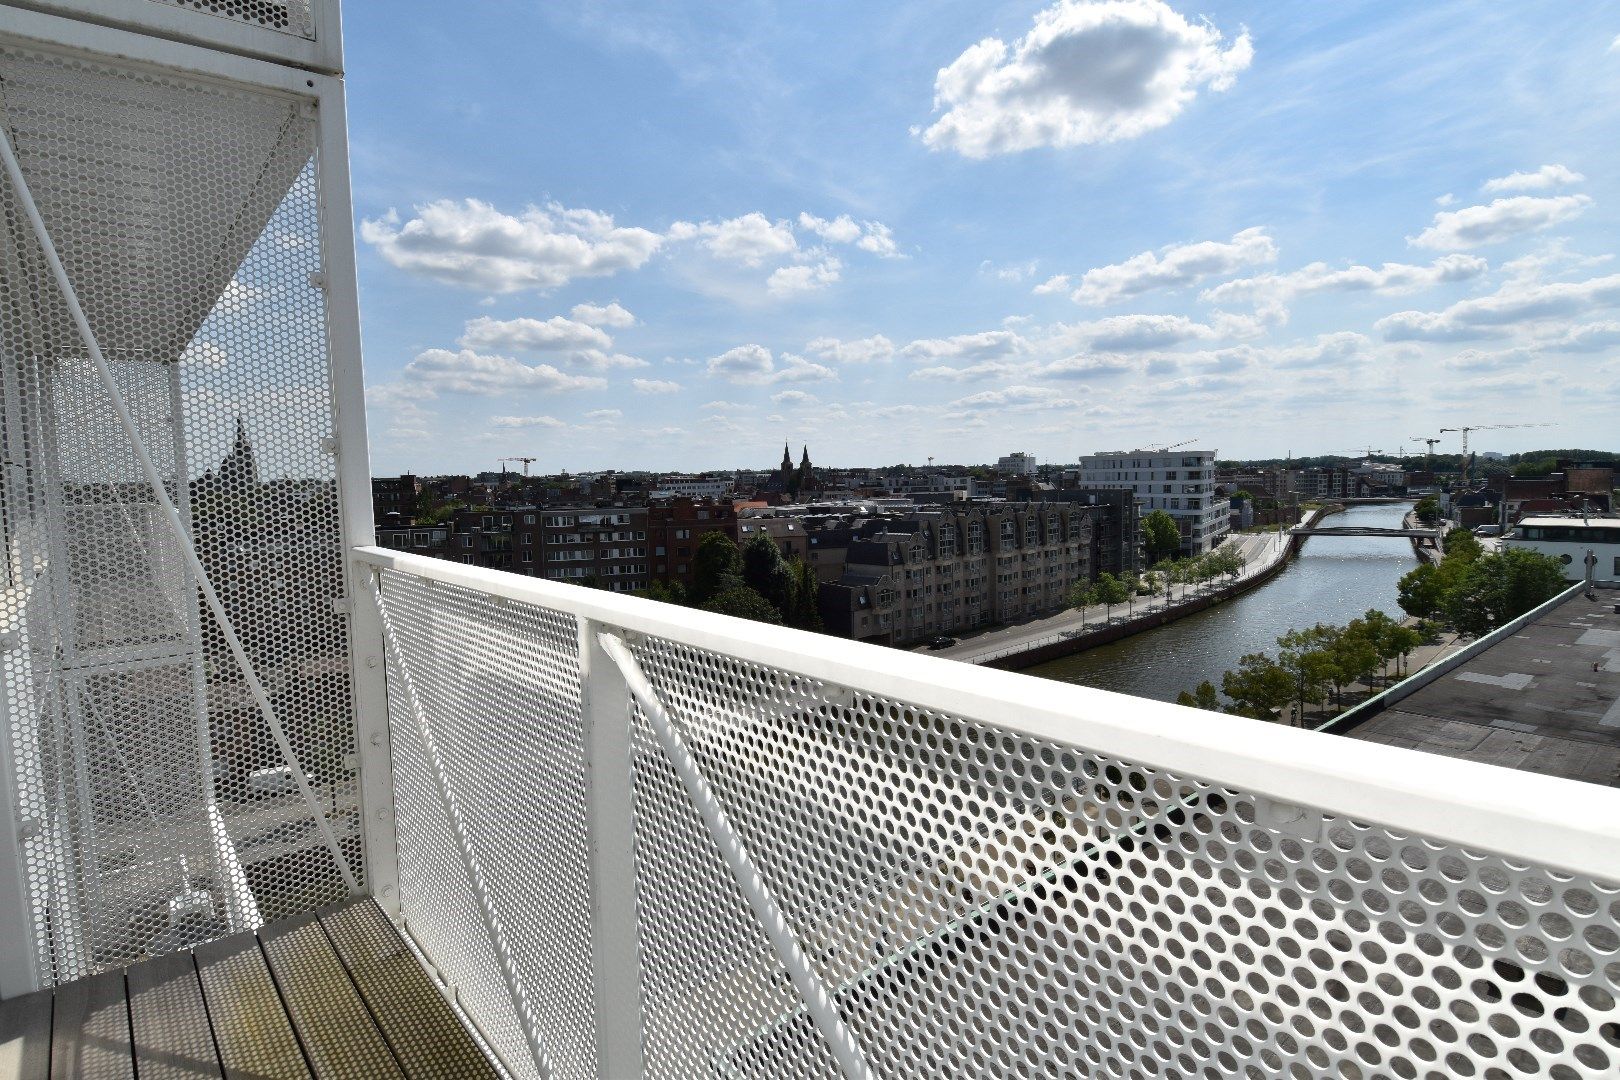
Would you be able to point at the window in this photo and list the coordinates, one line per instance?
(1008, 535)
(528, 519)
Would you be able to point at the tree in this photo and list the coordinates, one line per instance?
(1402, 640)
(717, 559)
(1460, 543)
(1082, 594)
(1204, 696)
(1259, 686)
(804, 610)
(738, 600)
(766, 572)
(1495, 589)
(1427, 509)
(668, 592)
(1421, 591)
(1110, 591)
(1161, 536)
(1309, 664)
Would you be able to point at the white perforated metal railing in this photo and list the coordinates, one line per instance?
(178, 729)
(981, 873)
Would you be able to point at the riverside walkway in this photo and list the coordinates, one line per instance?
(1261, 553)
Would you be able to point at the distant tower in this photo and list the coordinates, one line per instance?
(805, 481)
(240, 469)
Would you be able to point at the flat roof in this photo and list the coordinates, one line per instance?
(1545, 699)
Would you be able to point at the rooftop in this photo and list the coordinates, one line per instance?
(1544, 698)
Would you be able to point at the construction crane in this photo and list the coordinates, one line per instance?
(527, 461)
(1481, 427)
(1167, 449)
(1356, 450)
(1428, 461)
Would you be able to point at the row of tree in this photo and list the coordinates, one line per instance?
(1110, 589)
(1473, 592)
(751, 582)
(1311, 665)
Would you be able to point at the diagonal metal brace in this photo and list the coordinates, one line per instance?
(817, 1001)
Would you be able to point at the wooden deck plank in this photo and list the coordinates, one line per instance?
(90, 1038)
(333, 1023)
(172, 1036)
(425, 1033)
(25, 1036)
(250, 1024)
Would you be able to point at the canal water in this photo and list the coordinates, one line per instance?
(1333, 579)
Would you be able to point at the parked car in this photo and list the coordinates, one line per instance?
(1487, 530)
(944, 641)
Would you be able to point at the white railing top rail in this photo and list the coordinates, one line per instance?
(1543, 820)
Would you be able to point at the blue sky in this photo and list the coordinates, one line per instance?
(674, 236)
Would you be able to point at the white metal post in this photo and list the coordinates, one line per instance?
(356, 522)
(818, 1001)
(615, 927)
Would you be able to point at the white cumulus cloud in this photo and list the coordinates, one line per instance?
(599, 315)
(527, 422)
(555, 334)
(789, 281)
(655, 386)
(1267, 289)
(1172, 267)
(986, 345)
(749, 239)
(1495, 315)
(874, 349)
(1087, 72)
(469, 372)
(1501, 219)
(1545, 177)
(472, 244)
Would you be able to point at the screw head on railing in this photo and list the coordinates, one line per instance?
(376, 738)
(373, 661)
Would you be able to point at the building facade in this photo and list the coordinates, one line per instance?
(1179, 482)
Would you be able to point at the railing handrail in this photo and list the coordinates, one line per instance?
(1561, 824)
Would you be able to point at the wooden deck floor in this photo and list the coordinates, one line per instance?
(336, 994)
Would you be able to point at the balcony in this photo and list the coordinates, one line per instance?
(477, 821)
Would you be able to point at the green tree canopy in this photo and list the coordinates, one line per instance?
(804, 606)
(1495, 589)
(1204, 696)
(1160, 535)
(739, 600)
(1259, 686)
(717, 559)
(766, 572)
(1427, 508)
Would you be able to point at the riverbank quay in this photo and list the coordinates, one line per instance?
(1066, 633)
(1425, 552)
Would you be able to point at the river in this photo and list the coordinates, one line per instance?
(1334, 579)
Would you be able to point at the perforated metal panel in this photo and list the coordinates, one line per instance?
(498, 686)
(983, 902)
(288, 16)
(186, 213)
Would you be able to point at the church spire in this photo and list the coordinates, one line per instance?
(787, 459)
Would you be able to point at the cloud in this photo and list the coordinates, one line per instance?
(1336, 351)
(1592, 337)
(1085, 73)
(1274, 289)
(1131, 333)
(879, 241)
(555, 334)
(840, 230)
(1493, 315)
(1545, 177)
(1477, 360)
(1503, 219)
(796, 369)
(985, 345)
(869, 350)
(1083, 368)
(604, 415)
(473, 245)
(469, 372)
(1055, 284)
(744, 363)
(655, 386)
(790, 281)
(597, 315)
(1177, 265)
(527, 422)
(1014, 397)
(986, 369)
(750, 239)
(794, 397)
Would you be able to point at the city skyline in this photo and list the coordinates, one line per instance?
(652, 239)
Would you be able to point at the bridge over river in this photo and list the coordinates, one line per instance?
(1367, 530)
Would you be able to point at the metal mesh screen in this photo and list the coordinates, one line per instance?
(985, 903)
(498, 686)
(977, 901)
(157, 811)
(288, 16)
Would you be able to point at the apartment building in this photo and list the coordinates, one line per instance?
(1016, 464)
(1179, 482)
(676, 527)
(906, 579)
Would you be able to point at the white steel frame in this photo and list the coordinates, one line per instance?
(231, 51)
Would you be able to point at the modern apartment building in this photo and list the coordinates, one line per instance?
(1016, 464)
(1179, 482)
